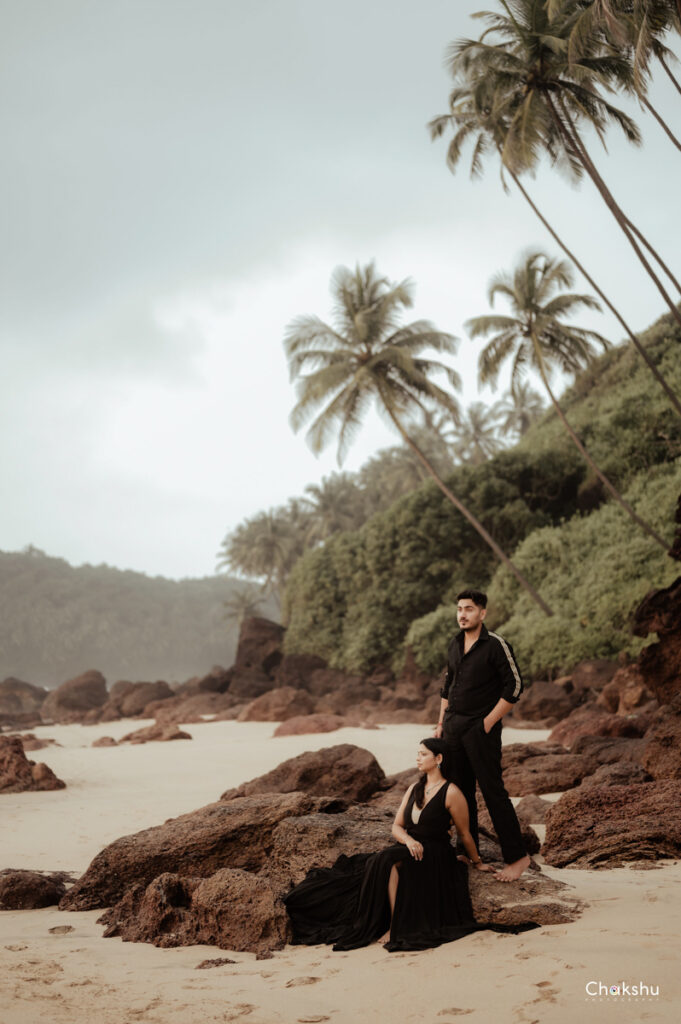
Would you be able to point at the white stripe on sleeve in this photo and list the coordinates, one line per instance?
(511, 662)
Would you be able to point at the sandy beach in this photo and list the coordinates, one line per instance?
(55, 968)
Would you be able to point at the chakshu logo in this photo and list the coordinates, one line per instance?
(622, 990)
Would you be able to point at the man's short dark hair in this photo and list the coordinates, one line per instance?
(476, 596)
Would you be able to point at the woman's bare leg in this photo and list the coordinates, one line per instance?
(393, 882)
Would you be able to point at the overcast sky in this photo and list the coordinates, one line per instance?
(178, 180)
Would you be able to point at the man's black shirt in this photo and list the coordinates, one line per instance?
(476, 680)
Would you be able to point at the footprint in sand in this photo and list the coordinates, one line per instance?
(16, 949)
(306, 980)
(61, 929)
(455, 1011)
(238, 1011)
(312, 1020)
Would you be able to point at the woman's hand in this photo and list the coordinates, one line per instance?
(415, 848)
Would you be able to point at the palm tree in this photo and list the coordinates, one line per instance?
(243, 604)
(332, 506)
(475, 439)
(482, 115)
(389, 475)
(546, 97)
(536, 336)
(266, 546)
(519, 408)
(367, 356)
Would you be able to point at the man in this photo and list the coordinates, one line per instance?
(481, 686)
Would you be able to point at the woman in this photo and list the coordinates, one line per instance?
(415, 891)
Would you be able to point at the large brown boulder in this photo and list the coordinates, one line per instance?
(217, 681)
(191, 707)
(248, 683)
(532, 809)
(71, 701)
(278, 705)
(661, 746)
(338, 692)
(260, 646)
(542, 768)
(547, 701)
(296, 670)
(626, 692)
(30, 890)
(18, 774)
(233, 909)
(660, 663)
(591, 720)
(302, 725)
(344, 771)
(235, 834)
(159, 732)
(316, 840)
(19, 698)
(597, 825)
(591, 675)
(136, 699)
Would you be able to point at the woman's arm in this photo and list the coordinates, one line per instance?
(458, 809)
(400, 833)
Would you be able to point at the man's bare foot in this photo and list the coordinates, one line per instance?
(511, 872)
(384, 938)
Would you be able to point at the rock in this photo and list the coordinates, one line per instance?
(248, 683)
(590, 720)
(626, 692)
(533, 897)
(278, 705)
(158, 732)
(233, 909)
(71, 701)
(32, 742)
(675, 550)
(104, 741)
(546, 701)
(592, 675)
(537, 768)
(661, 746)
(660, 663)
(30, 890)
(304, 724)
(338, 691)
(393, 788)
(260, 646)
(19, 698)
(317, 840)
(598, 825)
(617, 774)
(18, 774)
(532, 809)
(136, 699)
(191, 707)
(296, 670)
(217, 681)
(346, 771)
(234, 834)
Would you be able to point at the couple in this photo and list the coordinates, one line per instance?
(416, 891)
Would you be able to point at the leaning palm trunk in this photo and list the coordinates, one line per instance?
(661, 121)
(599, 473)
(574, 145)
(475, 523)
(664, 64)
(634, 339)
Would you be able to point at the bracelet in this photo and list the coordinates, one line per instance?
(478, 861)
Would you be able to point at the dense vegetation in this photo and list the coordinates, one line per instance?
(361, 596)
(56, 621)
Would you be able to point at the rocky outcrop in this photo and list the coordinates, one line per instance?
(18, 774)
(235, 834)
(660, 752)
(136, 699)
(278, 705)
(302, 725)
(217, 681)
(297, 670)
(345, 771)
(104, 741)
(591, 720)
(31, 742)
(535, 768)
(159, 732)
(532, 809)
(660, 663)
(30, 890)
(547, 702)
(19, 698)
(72, 701)
(626, 693)
(232, 909)
(600, 825)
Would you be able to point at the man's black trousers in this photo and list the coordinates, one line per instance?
(476, 755)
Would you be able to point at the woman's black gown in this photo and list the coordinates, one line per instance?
(347, 904)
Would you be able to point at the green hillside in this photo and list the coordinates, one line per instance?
(56, 621)
(360, 597)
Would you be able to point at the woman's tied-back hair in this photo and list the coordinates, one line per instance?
(435, 747)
